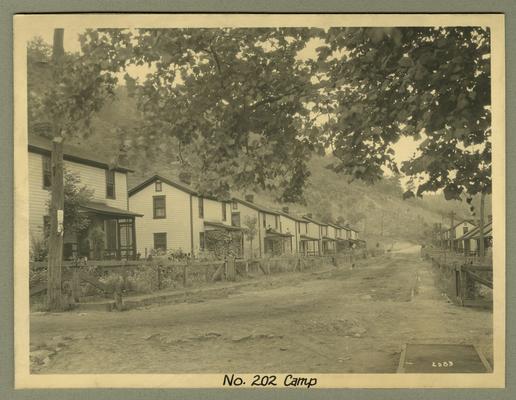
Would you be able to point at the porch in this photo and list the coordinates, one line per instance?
(328, 245)
(223, 240)
(277, 243)
(309, 246)
(110, 235)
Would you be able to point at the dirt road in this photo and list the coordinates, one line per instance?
(341, 321)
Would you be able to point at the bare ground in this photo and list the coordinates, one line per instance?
(341, 321)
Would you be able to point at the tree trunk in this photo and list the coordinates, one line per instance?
(481, 249)
(55, 247)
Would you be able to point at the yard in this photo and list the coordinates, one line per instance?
(335, 320)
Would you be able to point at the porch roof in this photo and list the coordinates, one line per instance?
(271, 233)
(309, 238)
(101, 208)
(214, 224)
(327, 238)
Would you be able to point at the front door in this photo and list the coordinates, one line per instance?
(111, 239)
(125, 227)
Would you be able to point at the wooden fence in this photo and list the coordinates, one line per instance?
(461, 276)
(114, 277)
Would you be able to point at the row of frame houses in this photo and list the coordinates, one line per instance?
(160, 214)
(464, 237)
(175, 217)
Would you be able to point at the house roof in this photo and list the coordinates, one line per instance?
(309, 219)
(475, 232)
(172, 182)
(256, 207)
(291, 216)
(101, 208)
(459, 223)
(146, 182)
(41, 145)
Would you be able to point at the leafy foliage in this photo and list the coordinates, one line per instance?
(64, 94)
(430, 83)
(210, 98)
(245, 108)
(75, 196)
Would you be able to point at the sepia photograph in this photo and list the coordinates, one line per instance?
(274, 201)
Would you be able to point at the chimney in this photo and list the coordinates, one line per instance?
(285, 210)
(249, 198)
(185, 177)
(309, 215)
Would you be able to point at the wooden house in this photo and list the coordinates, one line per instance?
(291, 225)
(111, 230)
(272, 238)
(343, 235)
(178, 219)
(313, 239)
(453, 234)
(469, 243)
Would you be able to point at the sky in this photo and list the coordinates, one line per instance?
(404, 148)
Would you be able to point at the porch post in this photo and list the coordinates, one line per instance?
(134, 237)
(118, 241)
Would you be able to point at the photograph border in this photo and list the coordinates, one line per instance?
(498, 170)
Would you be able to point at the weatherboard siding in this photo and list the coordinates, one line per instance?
(256, 247)
(176, 223)
(289, 225)
(92, 177)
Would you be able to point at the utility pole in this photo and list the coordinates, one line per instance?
(55, 245)
(481, 247)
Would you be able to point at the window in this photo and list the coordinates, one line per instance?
(235, 219)
(201, 207)
(264, 221)
(201, 241)
(298, 227)
(276, 221)
(224, 214)
(465, 230)
(110, 183)
(160, 241)
(159, 206)
(234, 205)
(47, 172)
(158, 187)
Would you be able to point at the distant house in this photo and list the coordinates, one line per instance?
(177, 218)
(453, 234)
(342, 242)
(469, 243)
(111, 232)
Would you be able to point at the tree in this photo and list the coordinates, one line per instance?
(63, 92)
(430, 83)
(209, 100)
(75, 196)
(250, 230)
